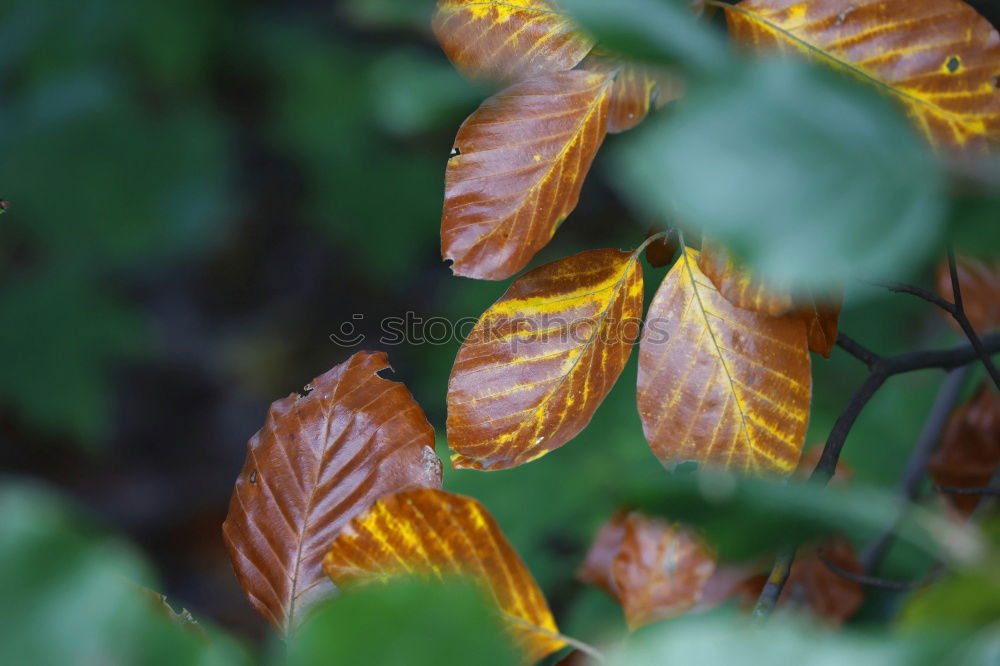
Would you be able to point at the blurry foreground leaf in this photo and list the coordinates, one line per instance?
(809, 177)
(435, 534)
(406, 623)
(69, 595)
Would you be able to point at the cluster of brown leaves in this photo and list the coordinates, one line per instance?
(342, 486)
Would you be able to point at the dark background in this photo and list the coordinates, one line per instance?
(202, 192)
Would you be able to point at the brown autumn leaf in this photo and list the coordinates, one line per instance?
(655, 569)
(720, 385)
(637, 88)
(319, 459)
(821, 314)
(541, 359)
(517, 168)
(509, 40)
(812, 583)
(979, 280)
(970, 447)
(433, 533)
(938, 58)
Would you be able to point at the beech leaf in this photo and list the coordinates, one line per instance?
(435, 534)
(720, 385)
(656, 570)
(938, 58)
(509, 40)
(542, 358)
(517, 168)
(970, 447)
(320, 459)
(637, 89)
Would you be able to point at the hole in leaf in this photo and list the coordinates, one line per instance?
(455, 152)
(253, 478)
(953, 64)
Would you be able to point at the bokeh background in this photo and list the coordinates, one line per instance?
(203, 191)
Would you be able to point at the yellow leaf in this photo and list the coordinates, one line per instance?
(433, 533)
(539, 362)
(718, 384)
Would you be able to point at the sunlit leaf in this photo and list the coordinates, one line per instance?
(320, 459)
(741, 288)
(509, 40)
(517, 168)
(969, 451)
(655, 569)
(542, 358)
(718, 384)
(939, 58)
(432, 533)
(979, 280)
(637, 89)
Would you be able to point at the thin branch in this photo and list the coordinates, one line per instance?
(881, 369)
(916, 466)
(857, 350)
(959, 314)
(956, 490)
(768, 598)
(919, 292)
(874, 581)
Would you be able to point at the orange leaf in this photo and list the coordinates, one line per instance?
(637, 89)
(718, 384)
(980, 283)
(508, 40)
(938, 58)
(517, 168)
(655, 569)
(318, 460)
(742, 289)
(542, 358)
(970, 447)
(434, 533)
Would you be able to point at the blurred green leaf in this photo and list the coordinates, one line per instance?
(726, 638)
(406, 623)
(70, 595)
(655, 31)
(811, 177)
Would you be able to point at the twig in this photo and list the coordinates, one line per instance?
(768, 598)
(880, 369)
(874, 581)
(956, 490)
(916, 466)
(956, 309)
(856, 349)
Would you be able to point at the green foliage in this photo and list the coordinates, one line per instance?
(404, 624)
(811, 177)
(72, 596)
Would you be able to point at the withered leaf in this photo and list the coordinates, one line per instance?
(938, 58)
(737, 284)
(637, 88)
(520, 161)
(508, 40)
(979, 280)
(970, 447)
(542, 358)
(319, 460)
(655, 569)
(718, 384)
(433, 533)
